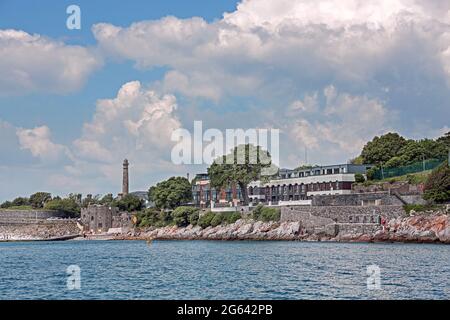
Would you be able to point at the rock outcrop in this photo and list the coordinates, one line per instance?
(429, 228)
(424, 228)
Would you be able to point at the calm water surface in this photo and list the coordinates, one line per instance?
(222, 270)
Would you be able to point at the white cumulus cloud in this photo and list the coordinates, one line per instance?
(33, 63)
(38, 142)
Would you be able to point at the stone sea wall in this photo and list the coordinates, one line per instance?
(341, 214)
(356, 199)
(38, 231)
(29, 216)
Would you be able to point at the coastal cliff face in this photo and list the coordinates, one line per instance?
(430, 228)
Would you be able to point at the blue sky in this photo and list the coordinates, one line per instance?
(329, 74)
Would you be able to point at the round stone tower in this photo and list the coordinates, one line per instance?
(125, 182)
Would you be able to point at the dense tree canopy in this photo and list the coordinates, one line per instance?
(392, 150)
(437, 187)
(242, 166)
(381, 149)
(39, 199)
(171, 193)
(445, 139)
(128, 203)
(67, 205)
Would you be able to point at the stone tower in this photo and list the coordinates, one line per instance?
(125, 182)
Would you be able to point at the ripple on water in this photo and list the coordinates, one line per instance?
(222, 270)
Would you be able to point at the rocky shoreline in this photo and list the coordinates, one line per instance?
(425, 228)
(419, 229)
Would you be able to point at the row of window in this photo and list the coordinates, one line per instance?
(302, 188)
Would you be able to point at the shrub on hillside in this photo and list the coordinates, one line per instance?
(266, 214)
(232, 218)
(437, 186)
(359, 178)
(182, 215)
(205, 220)
(217, 220)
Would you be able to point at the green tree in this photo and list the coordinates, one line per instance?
(445, 140)
(383, 148)
(242, 166)
(67, 205)
(171, 193)
(415, 151)
(39, 199)
(107, 199)
(437, 186)
(20, 201)
(357, 160)
(128, 203)
(6, 205)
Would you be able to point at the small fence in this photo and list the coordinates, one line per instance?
(384, 173)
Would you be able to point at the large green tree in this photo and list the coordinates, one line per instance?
(171, 193)
(437, 187)
(128, 203)
(445, 139)
(241, 166)
(38, 199)
(383, 148)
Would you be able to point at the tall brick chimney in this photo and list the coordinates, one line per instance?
(125, 182)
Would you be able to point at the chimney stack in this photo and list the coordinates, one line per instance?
(125, 182)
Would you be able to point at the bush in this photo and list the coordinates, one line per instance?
(182, 216)
(193, 218)
(205, 220)
(217, 220)
(232, 218)
(420, 207)
(359, 178)
(164, 219)
(270, 214)
(437, 186)
(371, 173)
(256, 213)
(265, 214)
(147, 218)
